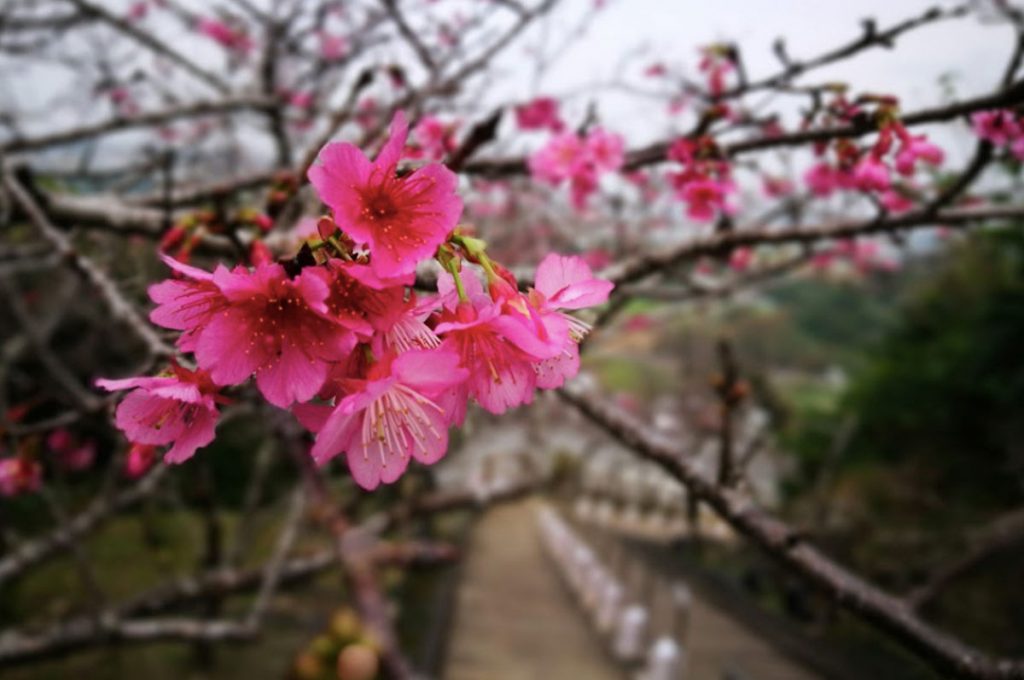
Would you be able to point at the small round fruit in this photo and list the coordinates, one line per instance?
(357, 662)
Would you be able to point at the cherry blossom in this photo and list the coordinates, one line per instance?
(389, 417)
(178, 409)
(400, 220)
(275, 327)
(539, 114)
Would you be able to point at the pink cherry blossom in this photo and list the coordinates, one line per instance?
(233, 39)
(71, 454)
(138, 10)
(717, 65)
(706, 198)
(177, 410)
(776, 187)
(300, 99)
(582, 186)
(501, 373)
(740, 259)
(582, 161)
(401, 220)
(597, 258)
(605, 149)
(655, 70)
(566, 283)
(561, 158)
(528, 323)
(139, 460)
(539, 114)
(187, 304)
(367, 113)
(391, 416)
(916, 149)
(275, 327)
(822, 179)
(999, 126)
(870, 174)
(332, 47)
(123, 101)
(896, 202)
(1017, 148)
(435, 138)
(379, 309)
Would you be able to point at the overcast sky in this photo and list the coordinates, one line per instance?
(971, 54)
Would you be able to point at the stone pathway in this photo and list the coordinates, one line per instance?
(515, 620)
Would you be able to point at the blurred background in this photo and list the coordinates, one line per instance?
(865, 384)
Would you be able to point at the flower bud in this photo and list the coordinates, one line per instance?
(259, 253)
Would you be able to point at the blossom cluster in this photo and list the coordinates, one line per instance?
(22, 472)
(580, 159)
(870, 170)
(339, 335)
(705, 183)
(540, 114)
(716, 63)
(1002, 128)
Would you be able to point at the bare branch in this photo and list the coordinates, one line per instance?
(120, 307)
(152, 42)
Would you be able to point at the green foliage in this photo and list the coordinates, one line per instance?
(833, 321)
(943, 394)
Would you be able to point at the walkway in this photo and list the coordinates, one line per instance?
(514, 620)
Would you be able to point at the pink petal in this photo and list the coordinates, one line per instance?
(391, 153)
(337, 434)
(138, 410)
(552, 373)
(569, 283)
(199, 433)
(371, 464)
(292, 376)
(340, 169)
(540, 336)
(429, 371)
(513, 386)
(191, 272)
(312, 416)
(144, 382)
(432, 448)
(218, 350)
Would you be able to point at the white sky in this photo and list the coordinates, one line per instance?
(972, 54)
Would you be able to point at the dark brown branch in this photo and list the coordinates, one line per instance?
(870, 37)
(1002, 533)
(82, 399)
(150, 41)
(84, 632)
(119, 307)
(35, 551)
(120, 124)
(410, 37)
(724, 242)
